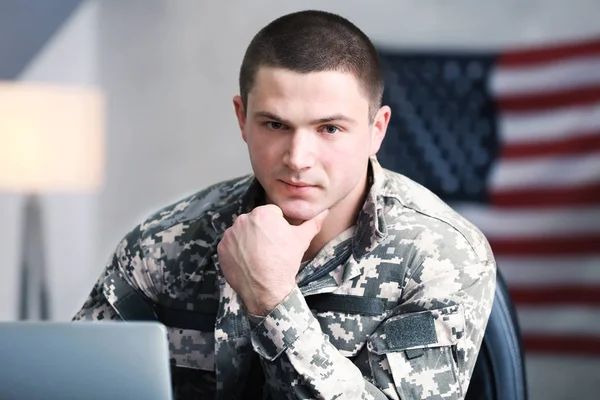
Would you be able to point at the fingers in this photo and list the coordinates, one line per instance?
(319, 218)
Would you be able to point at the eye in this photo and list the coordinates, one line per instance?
(331, 129)
(274, 125)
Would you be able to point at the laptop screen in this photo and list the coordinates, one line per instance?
(84, 360)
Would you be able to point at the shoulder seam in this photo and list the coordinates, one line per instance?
(448, 224)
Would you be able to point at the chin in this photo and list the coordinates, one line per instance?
(298, 212)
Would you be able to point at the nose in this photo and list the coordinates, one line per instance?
(300, 154)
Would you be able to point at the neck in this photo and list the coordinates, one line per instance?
(341, 216)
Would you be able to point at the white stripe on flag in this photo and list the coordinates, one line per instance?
(546, 271)
(546, 126)
(568, 74)
(535, 223)
(559, 320)
(545, 172)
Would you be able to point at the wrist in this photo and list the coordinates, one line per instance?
(262, 305)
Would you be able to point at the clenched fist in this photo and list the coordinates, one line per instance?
(261, 253)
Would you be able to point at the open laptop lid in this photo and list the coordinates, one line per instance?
(84, 360)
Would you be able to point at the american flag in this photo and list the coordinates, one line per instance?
(511, 140)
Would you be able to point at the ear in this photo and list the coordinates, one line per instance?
(240, 113)
(380, 124)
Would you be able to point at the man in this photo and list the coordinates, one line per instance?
(322, 275)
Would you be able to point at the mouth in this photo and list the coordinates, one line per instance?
(297, 184)
(297, 188)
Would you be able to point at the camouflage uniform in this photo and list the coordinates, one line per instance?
(394, 307)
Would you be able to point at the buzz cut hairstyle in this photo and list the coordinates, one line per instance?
(314, 41)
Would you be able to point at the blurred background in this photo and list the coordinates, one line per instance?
(496, 107)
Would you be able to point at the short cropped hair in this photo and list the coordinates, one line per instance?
(314, 41)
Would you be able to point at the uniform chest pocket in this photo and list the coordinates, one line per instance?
(347, 320)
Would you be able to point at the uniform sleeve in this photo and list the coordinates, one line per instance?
(121, 290)
(96, 307)
(129, 289)
(425, 348)
(299, 361)
(428, 347)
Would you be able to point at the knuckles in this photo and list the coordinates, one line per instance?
(266, 211)
(221, 246)
(267, 214)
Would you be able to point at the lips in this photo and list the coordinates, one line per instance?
(296, 188)
(298, 184)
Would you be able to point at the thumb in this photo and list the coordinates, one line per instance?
(311, 227)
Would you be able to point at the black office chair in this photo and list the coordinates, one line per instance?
(500, 369)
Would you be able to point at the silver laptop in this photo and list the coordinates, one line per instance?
(84, 360)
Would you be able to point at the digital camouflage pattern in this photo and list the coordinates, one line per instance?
(393, 308)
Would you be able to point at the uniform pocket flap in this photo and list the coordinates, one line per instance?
(432, 328)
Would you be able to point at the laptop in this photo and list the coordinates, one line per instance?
(84, 360)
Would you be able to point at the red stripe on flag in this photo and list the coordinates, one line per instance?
(548, 197)
(563, 344)
(540, 246)
(531, 57)
(548, 100)
(581, 143)
(556, 295)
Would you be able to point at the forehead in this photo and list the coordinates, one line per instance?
(284, 91)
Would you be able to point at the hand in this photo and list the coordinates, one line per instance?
(261, 253)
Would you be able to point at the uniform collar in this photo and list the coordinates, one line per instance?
(252, 197)
(371, 228)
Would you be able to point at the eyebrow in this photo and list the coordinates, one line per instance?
(331, 118)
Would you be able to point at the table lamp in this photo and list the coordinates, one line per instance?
(51, 141)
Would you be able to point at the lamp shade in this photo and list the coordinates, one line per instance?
(51, 137)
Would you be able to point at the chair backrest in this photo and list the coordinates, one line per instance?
(500, 369)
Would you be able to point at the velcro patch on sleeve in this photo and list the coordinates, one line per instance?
(411, 331)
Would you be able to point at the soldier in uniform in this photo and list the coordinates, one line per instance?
(321, 275)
